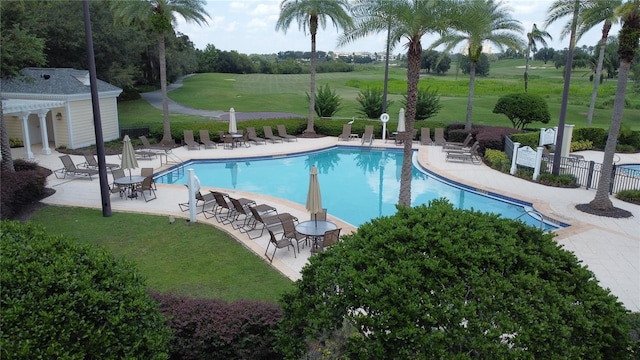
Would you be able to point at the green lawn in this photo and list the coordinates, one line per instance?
(287, 93)
(196, 260)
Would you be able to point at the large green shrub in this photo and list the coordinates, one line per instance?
(523, 108)
(370, 100)
(437, 282)
(530, 139)
(497, 160)
(327, 102)
(61, 300)
(597, 136)
(21, 187)
(428, 103)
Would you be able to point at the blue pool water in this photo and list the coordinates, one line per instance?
(630, 169)
(357, 184)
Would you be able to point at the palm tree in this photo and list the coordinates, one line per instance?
(558, 10)
(627, 48)
(535, 35)
(595, 12)
(412, 19)
(311, 14)
(160, 16)
(477, 22)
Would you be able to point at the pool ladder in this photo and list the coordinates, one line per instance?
(534, 214)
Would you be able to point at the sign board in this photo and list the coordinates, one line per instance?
(548, 137)
(526, 157)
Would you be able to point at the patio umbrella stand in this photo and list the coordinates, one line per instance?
(314, 199)
(129, 160)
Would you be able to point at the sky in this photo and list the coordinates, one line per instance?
(248, 27)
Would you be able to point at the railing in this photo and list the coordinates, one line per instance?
(135, 132)
(587, 173)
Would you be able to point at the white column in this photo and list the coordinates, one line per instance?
(541, 138)
(42, 115)
(566, 140)
(514, 158)
(536, 170)
(25, 135)
(194, 187)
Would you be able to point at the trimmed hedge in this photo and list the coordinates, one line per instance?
(21, 187)
(215, 329)
(61, 300)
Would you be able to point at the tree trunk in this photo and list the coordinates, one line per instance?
(5, 146)
(312, 92)
(601, 200)
(413, 76)
(596, 80)
(472, 85)
(166, 136)
(526, 68)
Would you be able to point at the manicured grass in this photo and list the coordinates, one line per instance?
(287, 93)
(196, 260)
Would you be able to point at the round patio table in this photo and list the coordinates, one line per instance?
(315, 229)
(130, 182)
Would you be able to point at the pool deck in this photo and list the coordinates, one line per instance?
(609, 247)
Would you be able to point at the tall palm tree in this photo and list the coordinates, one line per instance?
(160, 17)
(627, 48)
(412, 19)
(558, 10)
(535, 35)
(595, 12)
(311, 14)
(478, 22)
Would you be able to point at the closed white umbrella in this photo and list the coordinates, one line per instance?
(129, 160)
(401, 126)
(233, 127)
(314, 199)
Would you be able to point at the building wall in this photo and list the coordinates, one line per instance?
(81, 122)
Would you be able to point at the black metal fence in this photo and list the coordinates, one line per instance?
(587, 173)
(135, 132)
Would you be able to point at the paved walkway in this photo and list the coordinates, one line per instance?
(609, 247)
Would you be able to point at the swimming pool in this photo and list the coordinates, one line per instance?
(357, 184)
(630, 169)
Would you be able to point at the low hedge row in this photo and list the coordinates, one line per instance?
(215, 329)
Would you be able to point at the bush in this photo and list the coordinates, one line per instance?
(531, 139)
(370, 101)
(214, 329)
(21, 187)
(523, 109)
(428, 104)
(15, 143)
(581, 145)
(327, 102)
(497, 160)
(67, 301)
(563, 180)
(492, 137)
(597, 136)
(438, 282)
(631, 196)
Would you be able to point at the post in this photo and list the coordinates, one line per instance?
(536, 170)
(514, 157)
(384, 118)
(194, 187)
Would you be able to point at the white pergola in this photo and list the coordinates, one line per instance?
(24, 108)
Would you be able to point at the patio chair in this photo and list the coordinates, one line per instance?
(202, 200)
(439, 136)
(400, 138)
(115, 188)
(265, 222)
(330, 237)
(457, 145)
(291, 233)
(464, 154)
(92, 163)
(390, 136)
(153, 148)
(252, 136)
(282, 132)
(277, 244)
(147, 171)
(319, 216)
(425, 136)
(367, 137)
(189, 141)
(228, 142)
(147, 186)
(346, 133)
(205, 139)
(222, 207)
(268, 134)
(71, 169)
(243, 210)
